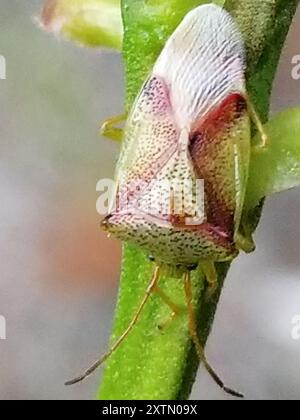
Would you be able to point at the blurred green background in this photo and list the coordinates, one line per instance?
(59, 273)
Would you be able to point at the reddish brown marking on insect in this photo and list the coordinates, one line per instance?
(216, 234)
(218, 120)
(160, 90)
(178, 220)
(208, 137)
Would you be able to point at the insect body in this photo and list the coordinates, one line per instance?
(189, 123)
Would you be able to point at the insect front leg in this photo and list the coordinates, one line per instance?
(150, 289)
(109, 129)
(259, 125)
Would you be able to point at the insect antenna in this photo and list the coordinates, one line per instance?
(152, 285)
(195, 338)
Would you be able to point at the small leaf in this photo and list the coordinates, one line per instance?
(96, 23)
(278, 167)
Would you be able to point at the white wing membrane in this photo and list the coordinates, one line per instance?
(202, 62)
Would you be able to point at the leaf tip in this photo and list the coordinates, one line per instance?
(87, 22)
(49, 19)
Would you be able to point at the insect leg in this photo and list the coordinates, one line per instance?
(211, 275)
(195, 338)
(109, 129)
(175, 310)
(244, 242)
(153, 283)
(259, 125)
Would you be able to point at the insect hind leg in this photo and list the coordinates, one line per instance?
(152, 285)
(198, 346)
(245, 242)
(175, 310)
(209, 270)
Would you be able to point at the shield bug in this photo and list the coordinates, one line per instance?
(183, 169)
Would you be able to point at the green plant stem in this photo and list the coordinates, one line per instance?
(162, 365)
